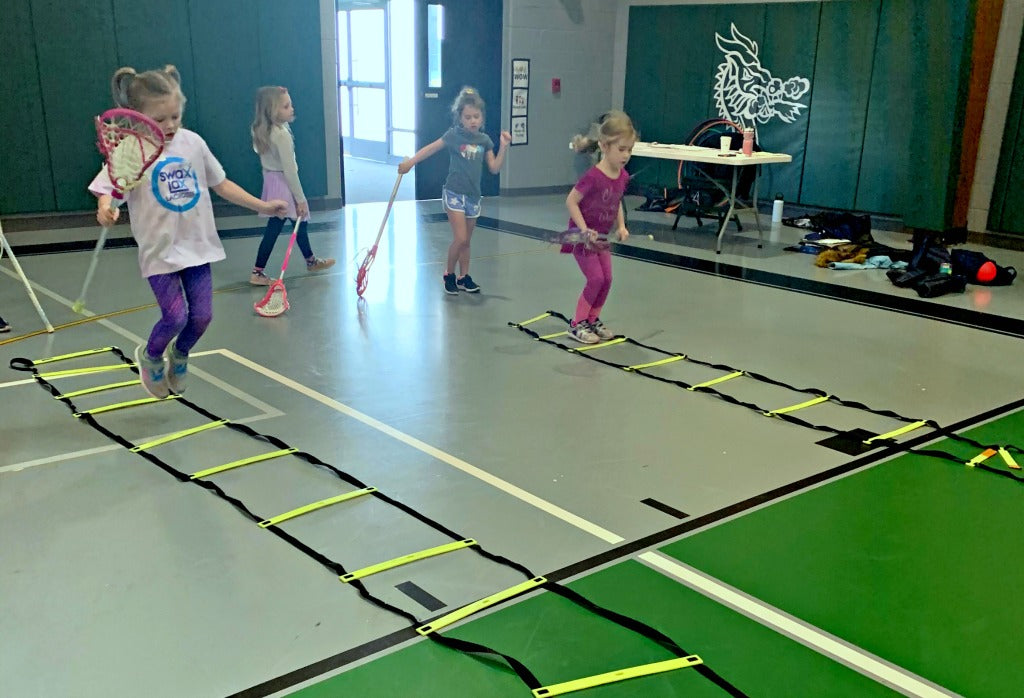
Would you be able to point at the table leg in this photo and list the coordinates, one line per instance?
(757, 217)
(729, 214)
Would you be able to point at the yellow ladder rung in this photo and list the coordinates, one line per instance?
(721, 379)
(1008, 459)
(591, 347)
(97, 389)
(77, 354)
(559, 689)
(179, 435)
(280, 518)
(125, 405)
(669, 360)
(239, 463)
(556, 334)
(524, 323)
(981, 457)
(468, 610)
(897, 432)
(84, 371)
(405, 559)
(794, 408)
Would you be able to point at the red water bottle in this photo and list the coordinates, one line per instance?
(748, 141)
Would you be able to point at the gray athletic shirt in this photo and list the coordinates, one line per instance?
(467, 153)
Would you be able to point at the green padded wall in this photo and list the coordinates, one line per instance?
(26, 182)
(77, 54)
(1007, 209)
(884, 111)
(58, 59)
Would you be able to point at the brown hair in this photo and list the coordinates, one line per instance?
(268, 99)
(468, 97)
(133, 90)
(610, 127)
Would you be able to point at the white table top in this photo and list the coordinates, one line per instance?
(695, 153)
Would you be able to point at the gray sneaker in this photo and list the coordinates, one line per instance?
(152, 373)
(177, 369)
(600, 330)
(582, 333)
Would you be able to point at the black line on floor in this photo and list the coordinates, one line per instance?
(664, 508)
(311, 671)
(421, 596)
(908, 306)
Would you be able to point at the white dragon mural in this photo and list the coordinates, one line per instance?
(746, 93)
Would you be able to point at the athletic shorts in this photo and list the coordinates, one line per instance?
(468, 205)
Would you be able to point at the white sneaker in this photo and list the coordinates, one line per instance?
(152, 373)
(582, 333)
(600, 330)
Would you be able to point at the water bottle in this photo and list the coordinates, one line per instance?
(777, 209)
(748, 141)
(945, 268)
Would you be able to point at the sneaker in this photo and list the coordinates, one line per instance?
(467, 284)
(582, 333)
(450, 286)
(177, 369)
(152, 373)
(599, 329)
(318, 264)
(4, 327)
(258, 278)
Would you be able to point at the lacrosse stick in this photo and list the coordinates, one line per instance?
(276, 300)
(364, 268)
(130, 142)
(574, 236)
(5, 246)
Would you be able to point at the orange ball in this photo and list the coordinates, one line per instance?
(986, 272)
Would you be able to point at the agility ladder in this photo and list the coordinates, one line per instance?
(785, 412)
(682, 659)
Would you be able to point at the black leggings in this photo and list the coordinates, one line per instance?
(274, 226)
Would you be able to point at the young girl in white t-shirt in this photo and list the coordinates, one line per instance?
(172, 222)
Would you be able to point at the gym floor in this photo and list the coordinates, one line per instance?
(791, 568)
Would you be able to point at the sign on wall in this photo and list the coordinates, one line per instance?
(520, 100)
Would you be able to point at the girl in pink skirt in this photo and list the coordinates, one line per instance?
(272, 139)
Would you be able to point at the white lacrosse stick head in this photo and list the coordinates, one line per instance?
(130, 142)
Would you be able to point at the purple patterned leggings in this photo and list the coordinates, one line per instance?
(186, 305)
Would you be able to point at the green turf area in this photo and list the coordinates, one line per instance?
(559, 641)
(917, 560)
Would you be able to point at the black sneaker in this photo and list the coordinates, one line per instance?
(467, 284)
(449, 285)
(4, 327)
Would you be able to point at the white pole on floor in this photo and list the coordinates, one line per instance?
(28, 287)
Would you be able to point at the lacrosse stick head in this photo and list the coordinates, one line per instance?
(362, 276)
(275, 302)
(130, 142)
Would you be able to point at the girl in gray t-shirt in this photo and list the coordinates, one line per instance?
(468, 148)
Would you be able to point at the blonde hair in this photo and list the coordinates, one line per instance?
(610, 127)
(133, 90)
(268, 99)
(467, 97)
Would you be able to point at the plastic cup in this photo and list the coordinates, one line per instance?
(725, 143)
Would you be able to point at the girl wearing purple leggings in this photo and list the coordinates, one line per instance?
(595, 206)
(172, 222)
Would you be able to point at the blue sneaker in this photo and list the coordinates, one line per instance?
(177, 365)
(467, 284)
(449, 285)
(152, 373)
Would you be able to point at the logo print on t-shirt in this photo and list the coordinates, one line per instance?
(175, 184)
(470, 151)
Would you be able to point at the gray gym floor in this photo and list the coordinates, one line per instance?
(117, 580)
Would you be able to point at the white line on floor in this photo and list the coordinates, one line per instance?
(808, 635)
(482, 475)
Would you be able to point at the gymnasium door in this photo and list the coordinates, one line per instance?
(458, 43)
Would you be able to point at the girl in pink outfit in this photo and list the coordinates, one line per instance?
(595, 209)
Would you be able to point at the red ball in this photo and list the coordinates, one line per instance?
(986, 272)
